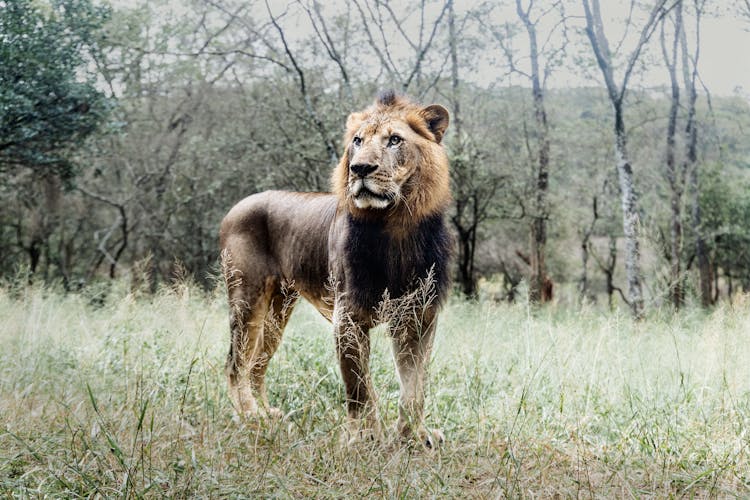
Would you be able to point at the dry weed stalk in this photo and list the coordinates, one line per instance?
(410, 311)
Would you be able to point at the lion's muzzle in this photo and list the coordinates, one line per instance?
(368, 194)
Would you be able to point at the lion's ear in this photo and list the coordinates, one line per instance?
(436, 117)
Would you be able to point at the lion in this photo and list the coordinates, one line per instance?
(378, 242)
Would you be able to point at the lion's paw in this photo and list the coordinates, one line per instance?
(361, 433)
(362, 437)
(429, 439)
(262, 414)
(273, 413)
(432, 439)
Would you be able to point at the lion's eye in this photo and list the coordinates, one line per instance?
(394, 140)
(357, 141)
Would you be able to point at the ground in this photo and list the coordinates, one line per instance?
(125, 395)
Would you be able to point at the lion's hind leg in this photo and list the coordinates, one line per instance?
(247, 311)
(279, 309)
(259, 310)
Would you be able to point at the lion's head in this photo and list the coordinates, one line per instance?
(393, 161)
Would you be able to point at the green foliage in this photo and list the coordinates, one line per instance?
(45, 106)
(725, 203)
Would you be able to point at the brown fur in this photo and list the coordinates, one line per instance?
(374, 251)
(428, 188)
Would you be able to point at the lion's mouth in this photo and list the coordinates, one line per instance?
(365, 197)
(365, 192)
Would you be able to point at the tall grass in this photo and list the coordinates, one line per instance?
(127, 397)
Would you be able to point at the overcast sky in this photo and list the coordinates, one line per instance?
(724, 64)
(725, 40)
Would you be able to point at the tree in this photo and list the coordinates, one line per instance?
(745, 9)
(474, 186)
(690, 76)
(539, 282)
(675, 175)
(726, 209)
(535, 67)
(606, 214)
(538, 234)
(153, 199)
(46, 109)
(388, 37)
(616, 92)
(680, 53)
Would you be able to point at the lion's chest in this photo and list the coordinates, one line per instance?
(376, 262)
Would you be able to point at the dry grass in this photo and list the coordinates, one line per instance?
(128, 398)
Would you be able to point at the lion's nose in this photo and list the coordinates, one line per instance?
(363, 169)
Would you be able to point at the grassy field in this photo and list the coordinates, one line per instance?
(127, 397)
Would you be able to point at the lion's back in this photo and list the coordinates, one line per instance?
(283, 234)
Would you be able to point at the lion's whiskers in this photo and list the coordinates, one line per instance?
(400, 198)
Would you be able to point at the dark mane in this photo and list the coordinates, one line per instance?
(378, 263)
(387, 97)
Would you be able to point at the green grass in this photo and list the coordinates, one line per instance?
(128, 398)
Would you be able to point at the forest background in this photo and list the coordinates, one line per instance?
(591, 158)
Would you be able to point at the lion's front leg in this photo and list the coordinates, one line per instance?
(411, 350)
(353, 350)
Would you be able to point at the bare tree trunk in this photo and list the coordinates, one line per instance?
(675, 179)
(704, 266)
(630, 218)
(35, 255)
(583, 281)
(455, 90)
(466, 276)
(608, 268)
(691, 156)
(609, 272)
(583, 286)
(466, 233)
(616, 93)
(122, 222)
(538, 233)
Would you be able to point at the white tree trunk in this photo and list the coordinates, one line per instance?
(630, 223)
